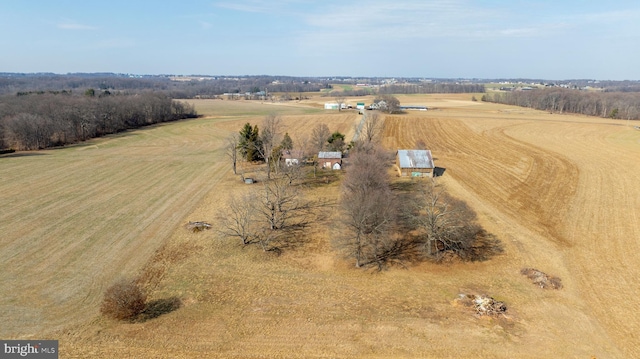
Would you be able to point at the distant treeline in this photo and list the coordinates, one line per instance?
(603, 104)
(36, 121)
(431, 88)
(351, 93)
(410, 88)
(175, 87)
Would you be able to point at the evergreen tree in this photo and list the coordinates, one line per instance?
(249, 142)
(287, 142)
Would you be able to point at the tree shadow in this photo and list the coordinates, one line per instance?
(402, 186)
(159, 307)
(23, 154)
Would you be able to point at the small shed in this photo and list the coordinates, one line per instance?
(292, 157)
(415, 163)
(360, 105)
(332, 160)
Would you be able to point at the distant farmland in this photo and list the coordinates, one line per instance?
(560, 191)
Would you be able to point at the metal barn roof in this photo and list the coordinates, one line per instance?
(330, 154)
(415, 159)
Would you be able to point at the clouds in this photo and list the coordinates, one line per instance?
(115, 43)
(262, 6)
(70, 25)
(430, 38)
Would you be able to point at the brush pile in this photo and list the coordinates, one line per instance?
(541, 279)
(197, 226)
(483, 304)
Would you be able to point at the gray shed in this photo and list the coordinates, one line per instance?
(415, 163)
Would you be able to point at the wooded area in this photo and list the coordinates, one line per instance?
(617, 105)
(41, 120)
(429, 87)
(173, 86)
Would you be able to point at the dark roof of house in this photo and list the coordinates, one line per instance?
(297, 154)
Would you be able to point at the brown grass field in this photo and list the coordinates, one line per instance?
(560, 191)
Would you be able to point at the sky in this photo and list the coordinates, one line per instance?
(547, 39)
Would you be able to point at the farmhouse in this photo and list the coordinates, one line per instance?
(332, 160)
(415, 163)
(292, 157)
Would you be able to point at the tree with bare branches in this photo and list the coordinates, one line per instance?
(319, 137)
(387, 103)
(240, 219)
(372, 127)
(340, 100)
(231, 150)
(450, 226)
(269, 139)
(368, 211)
(271, 215)
(283, 209)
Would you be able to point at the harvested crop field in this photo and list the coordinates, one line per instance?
(560, 191)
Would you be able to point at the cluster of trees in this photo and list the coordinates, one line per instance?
(379, 224)
(351, 93)
(383, 226)
(37, 121)
(11, 84)
(267, 143)
(387, 103)
(618, 105)
(322, 139)
(428, 87)
(204, 86)
(272, 214)
(252, 145)
(410, 88)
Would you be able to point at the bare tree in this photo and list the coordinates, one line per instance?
(231, 149)
(240, 219)
(368, 211)
(449, 225)
(372, 128)
(29, 132)
(319, 137)
(284, 210)
(340, 100)
(269, 139)
(272, 216)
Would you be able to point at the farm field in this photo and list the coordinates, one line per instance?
(560, 191)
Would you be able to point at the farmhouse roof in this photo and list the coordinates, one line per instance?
(323, 154)
(415, 159)
(297, 154)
